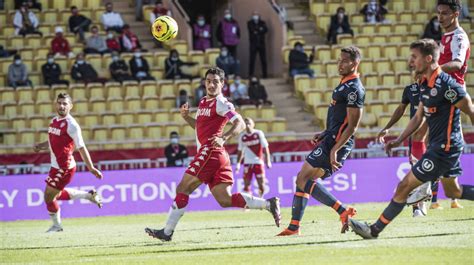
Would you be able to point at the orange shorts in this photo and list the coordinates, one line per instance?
(253, 169)
(59, 178)
(211, 166)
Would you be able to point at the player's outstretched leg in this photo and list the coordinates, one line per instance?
(50, 195)
(453, 190)
(300, 199)
(320, 193)
(73, 194)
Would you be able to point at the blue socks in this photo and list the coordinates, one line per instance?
(300, 200)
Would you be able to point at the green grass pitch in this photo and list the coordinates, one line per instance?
(238, 237)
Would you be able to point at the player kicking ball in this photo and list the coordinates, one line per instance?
(252, 143)
(441, 101)
(64, 136)
(211, 165)
(333, 145)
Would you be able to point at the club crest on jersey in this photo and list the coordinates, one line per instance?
(450, 94)
(62, 124)
(427, 165)
(433, 92)
(352, 97)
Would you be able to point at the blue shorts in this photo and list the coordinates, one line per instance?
(319, 157)
(438, 163)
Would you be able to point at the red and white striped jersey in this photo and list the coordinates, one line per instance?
(64, 136)
(252, 145)
(455, 46)
(211, 117)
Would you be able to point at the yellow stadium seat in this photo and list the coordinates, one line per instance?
(370, 94)
(108, 119)
(366, 67)
(151, 90)
(318, 8)
(400, 65)
(95, 60)
(398, 93)
(27, 137)
(301, 82)
(135, 133)
(278, 125)
(328, 95)
(27, 109)
(314, 98)
(169, 129)
(37, 123)
(363, 40)
(332, 68)
(392, 106)
(46, 109)
(91, 121)
(18, 42)
(197, 57)
(345, 39)
(184, 85)
(100, 134)
(405, 78)
(157, 73)
(376, 107)
(126, 119)
(167, 88)
(19, 124)
(211, 55)
(144, 118)
(371, 80)
(334, 81)
(404, 50)
(187, 131)
(382, 120)
(389, 79)
(323, 53)
(10, 138)
(79, 92)
(114, 91)
(160, 58)
(176, 117)
(357, 19)
(8, 97)
(405, 17)
(161, 116)
(134, 105)
(383, 94)
(98, 106)
(267, 113)
(413, 6)
(154, 132)
(383, 66)
(395, 38)
(373, 52)
(93, 4)
(249, 112)
(81, 107)
(321, 111)
(397, 6)
(262, 125)
(390, 52)
(151, 104)
(322, 22)
(379, 39)
(96, 92)
(168, 103)
(132, 90)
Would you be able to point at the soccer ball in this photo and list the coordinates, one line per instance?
(164, 28)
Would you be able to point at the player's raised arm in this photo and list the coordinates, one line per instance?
(465, 105)
(185, 114)
(412, 126)
(397, 114)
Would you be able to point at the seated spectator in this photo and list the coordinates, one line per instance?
(139, 67)
(175, 153)
(78, 24)
(95, 43)
(257, 93)
(17, 73)
(173, 66)
(26, 22)
(60, 45)
(111, 20)
(339, 25)
(299, 61)
(119, 69)
(159, 11)
(202, 34)
(182, 98)
(226, 62)
(128, 40)
(373, 12)
(433, 30)
(199, 92)
(113, 43)
(6, 53)
(52, 72)
(239, 92)
(83, 72)
(32, 4)
(464, 12)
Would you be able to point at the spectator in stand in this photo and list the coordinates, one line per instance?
(158, 11)
(258, 93)
(111, 20)
(202, 34)
(257, 30)
(464, 13)
(119, 69)
(60, 45)
(25, 22)
(18, 73)
(83, 72)
(182, 98)
(78, 24)
(299, 61)
(373, 12)
(173, 67)
(175, 153)
(226, 62)
(95, 43)
(239, 92)
(200, 92)
(113, 43)
(52, 72)
(128, 40)
(228, 33)
(339, 25)
(433, 30)
(139, 66)
(6, 53)
(32, 4)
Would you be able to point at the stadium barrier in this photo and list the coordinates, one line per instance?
(143, 191)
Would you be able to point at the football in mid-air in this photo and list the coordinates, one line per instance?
(164, 28)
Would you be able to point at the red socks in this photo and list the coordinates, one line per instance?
(181, 200)
(63, 196)
(52, 207)
(238, 201)
(418, 149)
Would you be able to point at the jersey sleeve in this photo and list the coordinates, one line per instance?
(263, 139)
(226, 109)
(240, 146)
(454, 92)
(74, 131)
(459, 47)
(405, 97)
(355, 98)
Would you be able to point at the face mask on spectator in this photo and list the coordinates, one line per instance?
(299, 48)
(224, 53)
(115, 58)
(201, 22)
(254, 81)
(110, 36)
(228, 16)
(80, 61)
(436, 24)
(50, 60)
(237, 81)
(174, 58)
(17, 62)
(255, 18)
(138, 55)
(174, 140)
(340, 15)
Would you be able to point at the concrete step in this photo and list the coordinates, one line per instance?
(295, 11)
(303, 25)
(296, 19)
(308, 31)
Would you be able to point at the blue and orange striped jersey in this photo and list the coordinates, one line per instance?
(411, 95)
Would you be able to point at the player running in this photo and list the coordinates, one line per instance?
(211, 165)
(252, 143)
(441, 99)
(455, 50)
(64, 136)
(333, 145)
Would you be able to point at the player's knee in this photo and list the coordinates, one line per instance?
(225, 202)
(301, 181)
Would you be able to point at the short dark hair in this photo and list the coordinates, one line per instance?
(353, 52)
(64, 96)
(216, 71)
(173, 133)
(16, 57)
(454, 5)
(426, 47)
(73, 7)
(340, 9)
(297, 43)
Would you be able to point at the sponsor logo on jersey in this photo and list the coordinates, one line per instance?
(427, 165)
(204, 112)
(252, 142)
(54, 131)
